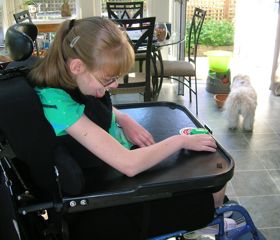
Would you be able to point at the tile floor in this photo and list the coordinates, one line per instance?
(256, 181)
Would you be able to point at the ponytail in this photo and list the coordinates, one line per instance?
(52, 70)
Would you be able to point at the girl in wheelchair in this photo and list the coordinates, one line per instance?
(85, 61)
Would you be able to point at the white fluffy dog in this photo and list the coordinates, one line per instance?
(242, 100)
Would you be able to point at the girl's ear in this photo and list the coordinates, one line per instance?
(76, 66)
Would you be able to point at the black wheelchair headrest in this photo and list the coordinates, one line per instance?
(19, 40)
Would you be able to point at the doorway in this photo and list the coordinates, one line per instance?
(254, 42)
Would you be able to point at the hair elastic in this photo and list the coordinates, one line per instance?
(71, 24)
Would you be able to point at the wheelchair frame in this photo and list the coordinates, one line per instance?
(26, 205)
(30, 217)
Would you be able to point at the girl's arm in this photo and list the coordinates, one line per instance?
(134, 132)
(132, 162)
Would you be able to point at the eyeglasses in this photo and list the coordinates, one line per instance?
(108, 81)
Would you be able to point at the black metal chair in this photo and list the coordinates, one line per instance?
(140, 34)
(125, 10)
(24, 16)
(186, 69)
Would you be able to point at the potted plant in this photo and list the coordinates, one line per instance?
(30, 3)
(32, 7)
(65, 9)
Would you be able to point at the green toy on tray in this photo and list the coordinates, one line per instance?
(193, 131)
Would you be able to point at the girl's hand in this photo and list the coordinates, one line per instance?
(134, 132)
(200, 142)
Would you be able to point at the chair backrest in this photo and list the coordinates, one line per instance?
(194, 33)
(23, 124)
(125, 10)
(23, 16)
(140, 34)
(33, 141)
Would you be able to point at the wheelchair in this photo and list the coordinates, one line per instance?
(41, 184)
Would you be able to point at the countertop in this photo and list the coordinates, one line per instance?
(50, 20)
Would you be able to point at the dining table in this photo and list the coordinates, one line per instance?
(4, 58)
(158, 69)
(48, 24)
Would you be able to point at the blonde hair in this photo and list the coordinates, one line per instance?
(97, 42)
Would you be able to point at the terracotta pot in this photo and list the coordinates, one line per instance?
(65, 10)
(220, 99)
(32, 11)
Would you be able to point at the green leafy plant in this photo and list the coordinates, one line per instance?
(30, 2)
(217, 33)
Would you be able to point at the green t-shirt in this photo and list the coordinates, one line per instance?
(62, 112)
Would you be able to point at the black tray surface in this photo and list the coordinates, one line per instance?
(183, 171)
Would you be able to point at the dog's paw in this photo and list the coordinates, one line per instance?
(248, 129)
(248, 126)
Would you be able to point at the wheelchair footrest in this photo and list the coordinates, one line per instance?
(243, 227)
